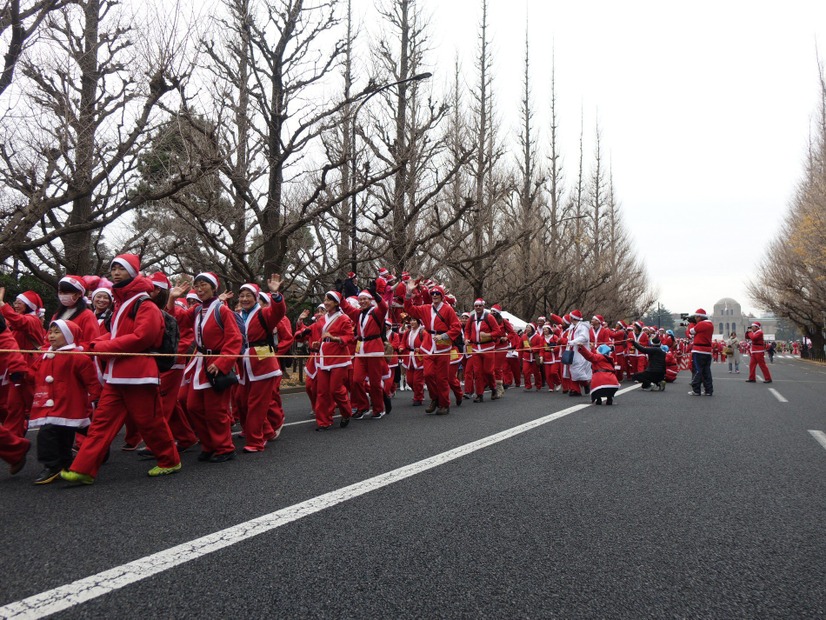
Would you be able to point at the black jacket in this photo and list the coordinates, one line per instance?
(656, 357)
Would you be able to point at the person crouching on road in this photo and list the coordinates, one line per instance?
(604, 381)
(64, 386)
(654, 373)
(131, 383)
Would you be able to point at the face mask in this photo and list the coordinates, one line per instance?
(67, 299)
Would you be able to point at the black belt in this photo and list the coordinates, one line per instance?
(366, 338)
(205, 351)
(603, 370)
(259, 343)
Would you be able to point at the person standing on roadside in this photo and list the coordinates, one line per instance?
(732, 351)
(758, 354)
(700, 329)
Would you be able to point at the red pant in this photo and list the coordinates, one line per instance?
(619, 361)
(311, 387)
(436, 369)
(415, 379)
(209, 413)
(515, 371)
(755, 360)
(18, 405)
(142, 405)
(332, 391)
(173, 411)
(275, 413)
(12, 447)
(552, 375)
(374, 369)
(532, 371)
(499, 363)
(254, 400)
(481, 368)
(454, 383)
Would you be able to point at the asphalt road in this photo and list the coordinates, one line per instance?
(664, 505)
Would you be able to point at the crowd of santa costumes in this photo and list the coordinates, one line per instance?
(94, 372)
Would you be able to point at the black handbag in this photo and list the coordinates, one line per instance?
(221, 381)
(568, 356)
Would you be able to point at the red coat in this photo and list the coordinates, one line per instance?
(602, 369)
(88, 323)
(27, 328)
(395, 342)
(64, 385)
(186, 336)
(211, 339)
(131, 335)
(258, 361)
(758, 343)
(283, 338)
(13, 361)
(369, 326)
(411, 343)
(335, 354)
(441, 328)
(702, 333)
(481, 333)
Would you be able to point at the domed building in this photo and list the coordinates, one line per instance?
(728, 317)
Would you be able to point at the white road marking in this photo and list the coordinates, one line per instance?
(777, 395)
(88, 588)
(820, 437)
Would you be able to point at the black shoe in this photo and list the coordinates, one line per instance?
(479, 398)
(222, 458)
(204, 456)
(431, 407)
(597, 401)
(145, 453)
(574, 394)
(609, 401)
(322, 428)
(750, 381)
(388, 404)
(459, 400)
(47, 475)
(769, 381)
(344, 422)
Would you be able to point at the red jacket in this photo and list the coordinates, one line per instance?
(211, 339)
(335, 354)
(758, 343)
(602, 369)
(702, 333)
(481, 333)
(27, 329)
(411, 343)
(88, 323)
(131, 335)
(369, 326)
(64, 385)
(12, 362)
(441, 327)
(259, 362)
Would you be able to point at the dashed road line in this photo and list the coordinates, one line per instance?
(820, 437)
(778, 396)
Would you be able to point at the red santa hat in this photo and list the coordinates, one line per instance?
(438, 290)
(598, 317)
(383, 273)
(479, 302)
(353, 301)
(76, 282)
(334, 295)
(622, 325)
(160, 280)
(405, 276)
(70, 330)
(210, 278)
(566, 320)
(450, 299)
(466, 315)
(180, 303)
(541, 318)
(367, 294)
(533, 325)
(265, 298)
(496, 308)
(756, 324)
(252, 288)
(576, 315)
(31, 300)
(91, 282)
(351, 275)
(130, 262)
(193, 295)
(700, 312)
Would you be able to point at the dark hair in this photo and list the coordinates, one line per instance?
(162, 297)
(65, 287)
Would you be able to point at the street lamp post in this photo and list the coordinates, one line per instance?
(353, 199)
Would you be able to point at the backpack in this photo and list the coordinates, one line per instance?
(169, 343)
(242, 327)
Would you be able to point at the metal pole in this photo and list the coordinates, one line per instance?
(354, 196)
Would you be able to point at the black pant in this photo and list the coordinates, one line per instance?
(54, 446)
(701, 364)
(647, 377)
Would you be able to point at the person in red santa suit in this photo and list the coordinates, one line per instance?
(456, 359)
(441, 327)
(758, 354)
(283, 341)
(259, 364)
(412, 339)
(308, 330)
(548, 347)
(370, 364)
(131, 383)
(701, 330)
(14, 372)
(23, 320)
(103, 303)
(671, 367)
(72, 307)
(392, 346)
(501, 372)
(604, 382)
(218, 341)
(530, 355)
(481, 332)
(620, 344)
(638, 360)
(600, 333)
(65, 387)
(334, 363)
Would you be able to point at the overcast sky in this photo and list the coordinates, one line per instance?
(704, 107)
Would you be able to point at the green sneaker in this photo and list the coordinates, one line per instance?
(72, 476)
(164, 471)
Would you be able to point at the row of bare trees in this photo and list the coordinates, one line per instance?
(247, 148)
(792, 274)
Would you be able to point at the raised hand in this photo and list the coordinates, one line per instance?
(275, 282)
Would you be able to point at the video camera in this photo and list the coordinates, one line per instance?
(686, 318)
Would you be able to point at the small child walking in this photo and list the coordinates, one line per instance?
(65, 386)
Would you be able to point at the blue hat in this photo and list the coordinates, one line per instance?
(664, 348)
(669, 332)
(604, 349)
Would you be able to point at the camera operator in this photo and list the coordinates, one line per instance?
(700, 329)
